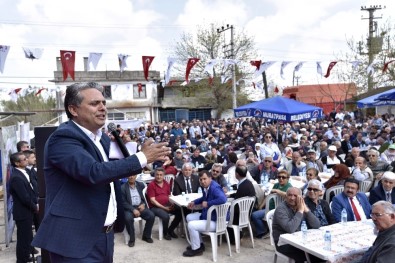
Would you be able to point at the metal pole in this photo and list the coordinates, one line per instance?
(233, 68)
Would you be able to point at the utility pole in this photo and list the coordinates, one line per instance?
(231, 56)
(374, 43)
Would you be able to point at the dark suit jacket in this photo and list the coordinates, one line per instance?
(344, 147)
(246, 188)
(340, 201)
(127, 199)
(179, 184)
(78, 191)
(23, 195)
(378, 193)
(33, 179)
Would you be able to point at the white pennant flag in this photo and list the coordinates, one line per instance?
(370, 69)
(33, 53)
(209, 68)
(224, 79)
(3, 56)
(355, 64)
(283, 65)
(170, 63)
(264, 66)
(122, 61)
(198, 79)
(259, 85)
(319, 68)
(228, 62)
(299, 66)
(94, 60)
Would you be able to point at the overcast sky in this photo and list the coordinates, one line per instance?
(304, 30)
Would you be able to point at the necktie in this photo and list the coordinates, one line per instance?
(188, 186)
(388, 196)
(354, 209)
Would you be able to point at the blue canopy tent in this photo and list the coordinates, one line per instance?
(279, 108)
(387, 97)
(372, 101)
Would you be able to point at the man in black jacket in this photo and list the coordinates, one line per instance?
(25, 205)
(134, 205)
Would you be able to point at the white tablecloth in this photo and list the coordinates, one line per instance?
(349, 242)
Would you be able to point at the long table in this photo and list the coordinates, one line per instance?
(349, 242)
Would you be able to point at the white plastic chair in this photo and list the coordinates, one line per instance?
(170, 179)
(337, 189)
(245, 205)
(125, 232)
(277, 199)
(364, 186)
(220, 228)
(269, 219)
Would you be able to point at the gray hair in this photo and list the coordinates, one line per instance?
(73, 94)
(315, 182)
(186, 165)
(292, 188)
(388, 207)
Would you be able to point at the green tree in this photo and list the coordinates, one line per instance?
(30, 103)
(206, 45)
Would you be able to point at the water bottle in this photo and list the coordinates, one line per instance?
(344, 216)
(327, 240)
(200, 190)
(303, 228)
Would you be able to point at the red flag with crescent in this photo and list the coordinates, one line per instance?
(68, 62)
(330, 67)
(147, 60)
(386, 65)
(256, 63)
(140, 87)
(191, 63)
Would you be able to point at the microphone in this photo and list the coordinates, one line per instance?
(113, 129)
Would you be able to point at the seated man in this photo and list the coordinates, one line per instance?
(296, 165)
(185, 182)
(356, 204)
(288, 218)
(361, 171)
(212, 195)
(279, 188)
(134, 205)
(383, 248)
(158, 193)
(384, 190)
(217, 176)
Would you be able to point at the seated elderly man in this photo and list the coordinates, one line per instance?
(319, 207)
(232, 175)
(217, 176)
(384, 190)
(212, 195)
(296, 165)
(383, 248)
(288, 218)
(356, 203)
(361, 171)
(377, 166)
(134, 206)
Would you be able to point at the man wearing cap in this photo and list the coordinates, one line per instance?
(388, 155)
(312, 161)
(178, 159)
(384, 190)
(383, 248)
(332, 157)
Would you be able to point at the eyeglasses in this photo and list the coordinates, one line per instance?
(377, 215)
(268, 161)
(313, 189)
(282, 177)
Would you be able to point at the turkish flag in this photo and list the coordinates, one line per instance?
(146, 64)
(140, 87)
(39, 91)
(68, 62)
(191, 63)
(276, 90)
(330, 67)
(256, 63)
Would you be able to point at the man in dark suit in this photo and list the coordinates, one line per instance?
(25, 205)
(134, 206)
(83, 195)
(384, 190)
(185, 182)
(31, 170)
(244, 188)
(346, 144)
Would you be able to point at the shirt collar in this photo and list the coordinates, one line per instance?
(90, 134)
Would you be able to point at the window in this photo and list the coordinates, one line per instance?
(107, 92)
(135, 115)
(139, 91)
(115, 116)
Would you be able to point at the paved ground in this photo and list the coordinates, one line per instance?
(162, 251)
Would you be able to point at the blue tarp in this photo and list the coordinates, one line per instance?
(279, 108)
(371, 101)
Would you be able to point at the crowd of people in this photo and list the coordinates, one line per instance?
(85, 195)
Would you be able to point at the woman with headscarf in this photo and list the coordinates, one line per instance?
(341, 173)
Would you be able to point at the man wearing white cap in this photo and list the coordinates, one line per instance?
(332, 158)
(384, 190)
